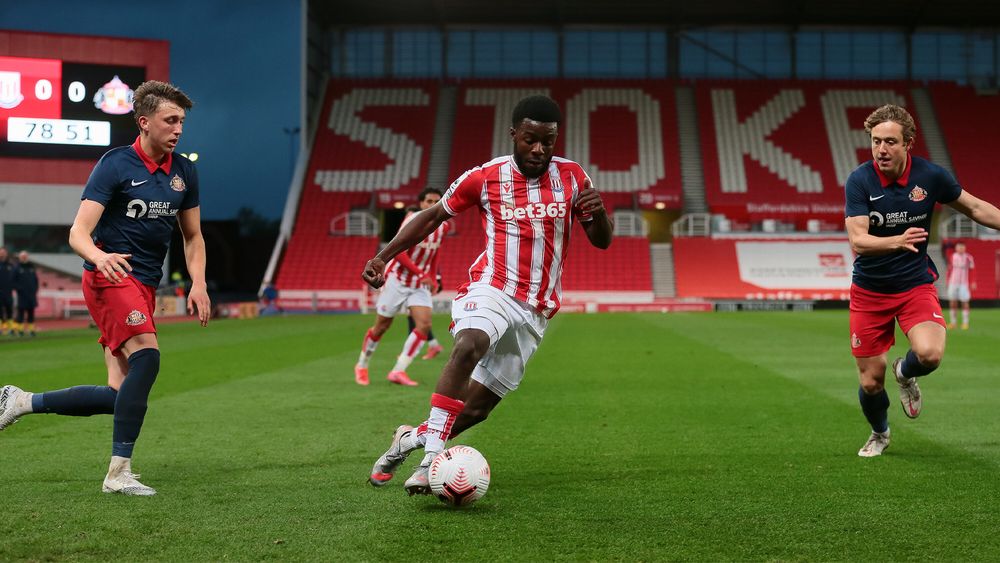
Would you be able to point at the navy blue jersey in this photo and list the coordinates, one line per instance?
(891, 208)
(141, 200)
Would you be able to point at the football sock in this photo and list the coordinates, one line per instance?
(912, 367)
(414, 342)
(430, 333)
(953, 315)
(431, 341)
(876, 409)
(437, 429)
(965, 318)
(368, 346)
(130, 406)
(82, 400)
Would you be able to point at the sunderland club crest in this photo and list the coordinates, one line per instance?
(918, 194)
(177, 184)
(135, 318)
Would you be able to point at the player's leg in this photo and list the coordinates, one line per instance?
(923, 324)
(31, 321)
(479, 403)
(448, 401)
(372, 337)
(421, 316)
(433, 346)
(82, 400)
(6, 314)
(872, 325)
(143, 361)
(19, 321)
(874, 403)
(965, 296)
(444, 409)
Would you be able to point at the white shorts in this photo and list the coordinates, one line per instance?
(958, 292)
(515, 331)
(396, 296)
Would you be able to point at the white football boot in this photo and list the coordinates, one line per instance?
(14, 402)
(909, 391)
(876, 444)
(120, 479)
(418, 484)
(402, 444)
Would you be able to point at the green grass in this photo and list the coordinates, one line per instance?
(633, 437)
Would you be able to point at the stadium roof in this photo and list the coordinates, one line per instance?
(887, 13)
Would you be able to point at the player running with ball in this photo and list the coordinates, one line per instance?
(528, 202)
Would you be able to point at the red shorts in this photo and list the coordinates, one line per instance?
(872, 314)
(121, 310)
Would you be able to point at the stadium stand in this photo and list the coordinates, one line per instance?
(782, 150)
(373, 139)
(962, 112)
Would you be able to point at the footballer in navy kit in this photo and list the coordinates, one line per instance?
(890, 203)
(129, 207)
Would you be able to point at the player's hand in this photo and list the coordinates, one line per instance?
(427, 281)
(374, 273)
(911, 238)
(115, 267)
(438, 286)
(590, 201)
(199, 302)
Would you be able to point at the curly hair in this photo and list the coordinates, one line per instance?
(896, 114)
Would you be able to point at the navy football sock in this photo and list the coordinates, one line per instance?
(82, 400)
(876, 409)
(912, 367)
(130, 407)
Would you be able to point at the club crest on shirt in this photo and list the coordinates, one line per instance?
(855, 341)
(918, 194)
(177, 184)
(135, 318)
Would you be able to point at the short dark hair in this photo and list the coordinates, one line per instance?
(426, 191)
(542, 109)
(150, 94)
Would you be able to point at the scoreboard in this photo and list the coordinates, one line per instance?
(50, 108)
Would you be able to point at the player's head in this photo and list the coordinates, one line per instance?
(892, 131)
(159, 112)
(534, 127)
(960, 248)
(3, 253)
(428, 197)
(23, 256)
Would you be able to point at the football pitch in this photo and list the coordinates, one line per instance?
(728, 436)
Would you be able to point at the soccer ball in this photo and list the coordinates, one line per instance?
(459, 475)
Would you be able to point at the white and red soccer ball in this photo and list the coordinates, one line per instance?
(459, 475)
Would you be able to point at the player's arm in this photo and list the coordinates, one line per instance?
(870, 245)
(982, 212)
(414, 231)
(113, 266)
(600, 229)
(194, 255)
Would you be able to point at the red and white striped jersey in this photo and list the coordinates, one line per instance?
(423, 255)
(528, 222)
(958, 273)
